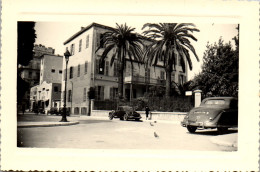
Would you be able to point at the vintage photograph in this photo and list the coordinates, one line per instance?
(128, 86)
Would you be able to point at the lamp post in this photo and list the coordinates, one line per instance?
(64, 113)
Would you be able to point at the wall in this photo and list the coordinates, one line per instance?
(48, 63)
(169, 116)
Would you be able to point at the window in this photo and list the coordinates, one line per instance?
(85, 95)
(78, 70)
(113, 93)
(76, 110)
(99, 93)
(87, 41)
(60, 71)
(162, 75)
(53, 70)
(99, 67)
(72, 49)
(115, 68)
(83, 110)
(80, 43)
(56, 89)
(107, 68)
(182, 79)
(43, 89)
(100, 40)
(71, 72)
(69, 96)
(86, 67)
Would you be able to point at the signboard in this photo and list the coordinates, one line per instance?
(188, 93)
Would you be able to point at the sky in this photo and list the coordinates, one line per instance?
(54, 34)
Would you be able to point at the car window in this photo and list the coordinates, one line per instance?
(215, 102)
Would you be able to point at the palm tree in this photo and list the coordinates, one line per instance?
(170, 40)
(123, 44)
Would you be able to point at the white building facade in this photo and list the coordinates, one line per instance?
(83, 72)
(47, 94)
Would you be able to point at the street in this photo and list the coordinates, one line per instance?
(101, 133)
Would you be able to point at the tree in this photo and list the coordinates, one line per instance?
(25, 41)
(122, 43)
(180, 89)
(171, 40)
(219, 75)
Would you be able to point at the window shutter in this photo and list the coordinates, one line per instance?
(98, 39)
(87, 41)
(86, 67)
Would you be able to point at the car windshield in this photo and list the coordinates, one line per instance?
(215, 102)
(128, 108)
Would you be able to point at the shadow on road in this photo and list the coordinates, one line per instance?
(212, 132)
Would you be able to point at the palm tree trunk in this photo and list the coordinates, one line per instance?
(120, 83)
(168, 83)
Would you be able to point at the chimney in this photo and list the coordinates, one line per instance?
(82, 28)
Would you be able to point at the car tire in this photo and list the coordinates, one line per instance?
(222, 130)
(126, 117)
(110, 116)
(191, 129)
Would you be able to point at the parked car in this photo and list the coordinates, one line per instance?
(213, 112)
(55, 111)
(124, 113)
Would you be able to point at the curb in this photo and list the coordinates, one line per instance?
(44, 124)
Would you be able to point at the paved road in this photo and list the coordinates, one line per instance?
(101, 133)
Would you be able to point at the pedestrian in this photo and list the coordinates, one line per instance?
(147, 111)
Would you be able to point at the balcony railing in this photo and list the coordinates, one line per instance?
(144, 80)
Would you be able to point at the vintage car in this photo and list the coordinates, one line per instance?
(213, 112)
(124, 113)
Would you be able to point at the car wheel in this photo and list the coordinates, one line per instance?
(222, 130)
(110, 116)
(125, 117)
(191, 129)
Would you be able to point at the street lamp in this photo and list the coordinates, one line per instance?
(64, 113)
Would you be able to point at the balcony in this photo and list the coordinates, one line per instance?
(144, 80)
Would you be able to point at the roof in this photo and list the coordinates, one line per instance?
(50, 55)
(84, 29)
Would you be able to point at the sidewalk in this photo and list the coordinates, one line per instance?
(229, 140)
(45, 124)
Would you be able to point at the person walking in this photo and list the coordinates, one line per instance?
(147, 111)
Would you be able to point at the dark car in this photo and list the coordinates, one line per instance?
(124, 113)
(213, 112)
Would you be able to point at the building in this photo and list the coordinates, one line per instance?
(31, 72)
(84, 72)
(47, 94)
